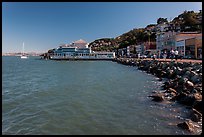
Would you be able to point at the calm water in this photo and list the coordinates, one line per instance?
(82, 97)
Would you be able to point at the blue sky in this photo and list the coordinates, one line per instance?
(45, 25)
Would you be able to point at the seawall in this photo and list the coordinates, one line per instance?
(183, 84)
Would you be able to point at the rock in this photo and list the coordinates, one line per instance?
(163, 74)
(195, 115)
(198, 105)
(180, 96)
(187, 125)
(157, 97)
(178, 71)
(171, 90)
(198, 87)
(187, 101)
(165, 85)
(172, 84)
(194, 90)
(182, 80)
(189, 85)
(187, 73)
(190, 99)
(195, 79)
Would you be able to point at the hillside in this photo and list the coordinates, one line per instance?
(188, 21)
(135, 36)
(103, 44)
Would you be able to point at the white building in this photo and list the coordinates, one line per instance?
(79, 50)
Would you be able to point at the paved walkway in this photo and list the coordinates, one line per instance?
(178, 60)
(168, 60)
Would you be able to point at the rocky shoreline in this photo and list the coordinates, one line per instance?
(183, 84)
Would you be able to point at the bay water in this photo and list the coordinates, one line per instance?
(83, 98)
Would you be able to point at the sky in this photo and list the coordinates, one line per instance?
(46, 25)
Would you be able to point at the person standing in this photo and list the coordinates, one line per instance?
(154, 56)
(165, 55)
(172, 54)
(176, 54)
(138, 55)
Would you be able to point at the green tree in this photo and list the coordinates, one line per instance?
(162, 20)
(189, 21)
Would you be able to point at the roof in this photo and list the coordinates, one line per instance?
(80, 41)
(184, 36)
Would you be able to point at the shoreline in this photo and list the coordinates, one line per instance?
(183, 85)
(82, 59)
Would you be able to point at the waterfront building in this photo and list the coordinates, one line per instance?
(122, 52)
(180, 46)
(193, 47)
(140, 48)
(149, 48)
(128, 51)
(190, 47)
(165, 36)
(79, 50)
(175, 40)
(188, 44)
(165, 40)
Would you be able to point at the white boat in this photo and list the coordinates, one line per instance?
(23, 56)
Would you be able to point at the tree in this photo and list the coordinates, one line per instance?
(189, 18)
(189, 21)
(162, 20)
(51, 50)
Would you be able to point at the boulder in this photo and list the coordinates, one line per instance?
(190, 99)
(195, 79)
(195, 115)
(198, 105)
(170, 90)
(157, 97)
(187, 125)
(180, 96)
(189, 85)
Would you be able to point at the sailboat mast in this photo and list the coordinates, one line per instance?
(23, 48)
(23, 56)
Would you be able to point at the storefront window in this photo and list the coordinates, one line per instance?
(190, 51)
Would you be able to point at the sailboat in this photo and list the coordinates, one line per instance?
(23, 56)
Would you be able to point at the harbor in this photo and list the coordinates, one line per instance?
(102, 68)
(72, 97)
(181, 82)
